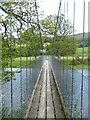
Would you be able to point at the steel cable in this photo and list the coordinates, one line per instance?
(67, 50)
(38, 24)
(83, 59)
(21, 96)
(72, 85)
(27, 52)
(11, 60)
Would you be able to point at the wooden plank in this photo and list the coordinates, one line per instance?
(50, 108)
(57, 103)
(59, 93)
(59, 110)
(33, 94)
(42, 105)
(35, 102)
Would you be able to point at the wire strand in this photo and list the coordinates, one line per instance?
(38, 24)
(11, 61)
(83, 59)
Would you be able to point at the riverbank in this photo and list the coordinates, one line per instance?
(24, 62)
(67, 61)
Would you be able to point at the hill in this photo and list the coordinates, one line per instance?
(81, 40)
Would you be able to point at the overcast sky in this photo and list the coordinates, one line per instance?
(51, 7)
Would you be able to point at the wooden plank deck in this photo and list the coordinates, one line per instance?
(45, 101)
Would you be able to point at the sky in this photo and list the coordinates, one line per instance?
(51, 7)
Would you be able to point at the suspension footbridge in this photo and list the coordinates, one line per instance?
(44, 70)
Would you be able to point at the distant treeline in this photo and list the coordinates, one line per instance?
(82, 41)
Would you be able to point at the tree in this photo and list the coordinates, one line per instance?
(61, 44)
(16, 17)
(64, 46)
(31, 39)
(48, 25)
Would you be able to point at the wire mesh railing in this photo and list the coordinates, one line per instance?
(21, 40)
(64, 79)
(28, 83)
(70, 69)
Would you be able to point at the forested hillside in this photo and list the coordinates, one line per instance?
(81, 40)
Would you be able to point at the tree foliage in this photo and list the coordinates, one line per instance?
(16, 18)
(63, 46)
(60, 42)
(49, 27)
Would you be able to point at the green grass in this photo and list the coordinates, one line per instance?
(24, 61)
(67, 61)
(79, 51)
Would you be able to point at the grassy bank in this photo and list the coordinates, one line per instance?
(79, 51)
(25, 61)
(68, 61)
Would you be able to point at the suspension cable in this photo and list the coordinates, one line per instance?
(72, 85)
(67, 49)
(11, 61)
(38, 24)
(27, 52)
(55, 32)
(33, 35)
(20, 65)
(30, 65)
(83, 59)
(63, 54)
(58, 17)
(67, 35)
